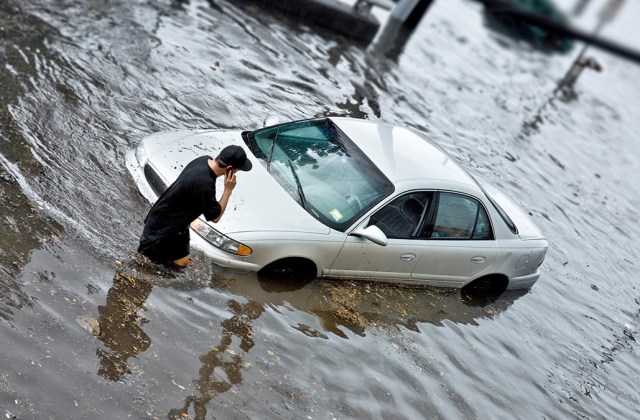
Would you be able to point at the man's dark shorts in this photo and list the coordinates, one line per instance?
(167, 249)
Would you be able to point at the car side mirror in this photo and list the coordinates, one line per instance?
(372, 233)
(270, 120)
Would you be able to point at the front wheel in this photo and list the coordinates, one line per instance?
(299, 269)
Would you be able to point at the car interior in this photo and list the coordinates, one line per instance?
(400, 218)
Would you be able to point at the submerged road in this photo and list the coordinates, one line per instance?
(89, 333)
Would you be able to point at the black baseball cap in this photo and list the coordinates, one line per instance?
(236, 157)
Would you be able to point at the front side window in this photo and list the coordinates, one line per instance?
(402, 218)
(321, 168)
(460, 217)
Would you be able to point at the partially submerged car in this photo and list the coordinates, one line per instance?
(351, 198)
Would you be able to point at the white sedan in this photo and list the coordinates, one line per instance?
(350, 198)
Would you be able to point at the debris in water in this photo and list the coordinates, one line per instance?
(89, 323)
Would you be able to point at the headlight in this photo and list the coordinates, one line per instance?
(219, 240)
(141, 155)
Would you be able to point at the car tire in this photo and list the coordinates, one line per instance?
(299, 269)
(484, 290)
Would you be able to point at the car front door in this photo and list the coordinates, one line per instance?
(459, 242)
(400, 221)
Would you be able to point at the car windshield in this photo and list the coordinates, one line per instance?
(321, 168)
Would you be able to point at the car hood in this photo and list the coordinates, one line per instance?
(258, 202)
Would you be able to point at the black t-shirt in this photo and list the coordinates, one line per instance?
(193, 193)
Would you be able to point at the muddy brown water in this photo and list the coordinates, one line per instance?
(89, 332)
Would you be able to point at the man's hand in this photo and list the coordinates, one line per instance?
(230, 180)
(229, 185)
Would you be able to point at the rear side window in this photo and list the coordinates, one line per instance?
(460, 217)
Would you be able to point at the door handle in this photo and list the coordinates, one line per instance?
(479, 259)
(407, 257)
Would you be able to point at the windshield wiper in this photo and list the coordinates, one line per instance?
(273, 147)
(295, 176)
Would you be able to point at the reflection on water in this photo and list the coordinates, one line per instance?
(222, 366)
(120, 328)
(362, 308)
(120, 325)
(361, 305)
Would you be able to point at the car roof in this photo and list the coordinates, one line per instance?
(403, 154)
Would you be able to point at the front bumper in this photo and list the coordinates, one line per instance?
(136, 172)
(218, 256)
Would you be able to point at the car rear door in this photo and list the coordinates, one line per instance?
(459, 243)
(453, 263)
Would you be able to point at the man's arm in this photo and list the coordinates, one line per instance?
(229, 185)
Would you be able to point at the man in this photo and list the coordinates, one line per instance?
(165, 238)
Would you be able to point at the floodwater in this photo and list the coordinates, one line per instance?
(88, 332)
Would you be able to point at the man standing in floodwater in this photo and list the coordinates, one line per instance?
(165, 238)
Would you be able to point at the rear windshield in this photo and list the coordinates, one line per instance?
(498, 199)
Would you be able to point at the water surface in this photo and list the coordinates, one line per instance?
(90, 333)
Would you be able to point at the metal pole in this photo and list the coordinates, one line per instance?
(579, 7)
(402, 10)
(402, 21)
(416, 14)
